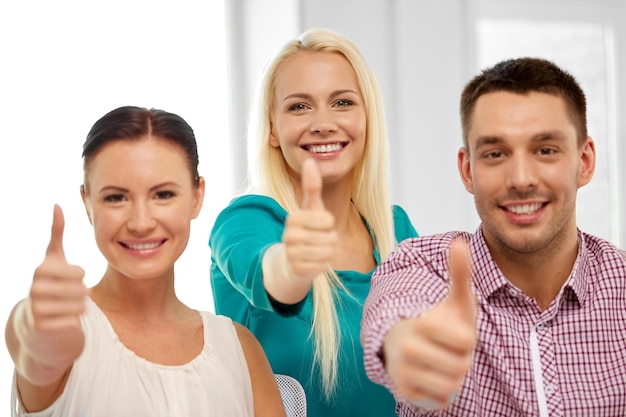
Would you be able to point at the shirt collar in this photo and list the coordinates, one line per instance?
(578, 280)
(492, 280)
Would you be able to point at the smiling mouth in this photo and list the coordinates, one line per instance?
(143, 246)
(325, 148)
(525, 208)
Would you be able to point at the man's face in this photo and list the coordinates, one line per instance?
(524, 166)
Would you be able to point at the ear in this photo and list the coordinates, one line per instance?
(198, 198)
(86, 203)
(274, 142)
(465, 169)
(587, 162)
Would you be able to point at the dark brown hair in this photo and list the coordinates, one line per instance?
(131, 123)
(521, 76)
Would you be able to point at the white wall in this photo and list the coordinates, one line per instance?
(255, 29)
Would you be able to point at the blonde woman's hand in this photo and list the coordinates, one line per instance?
(310, 237)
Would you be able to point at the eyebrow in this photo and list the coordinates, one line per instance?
(539, 137)
(115, 188)
(549, 135)
(309, 96)
(487, 140)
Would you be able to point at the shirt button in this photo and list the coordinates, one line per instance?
(550, 389)
(541, 327)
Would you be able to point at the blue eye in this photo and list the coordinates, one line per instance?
(344, 103)
(298, 106)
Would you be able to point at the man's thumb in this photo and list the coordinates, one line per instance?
(461, 276)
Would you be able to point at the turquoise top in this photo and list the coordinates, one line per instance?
(240, 236)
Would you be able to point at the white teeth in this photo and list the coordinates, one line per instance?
(144, 246)
(325, 148)
(525, 208)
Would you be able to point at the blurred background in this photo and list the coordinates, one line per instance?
(66, 63)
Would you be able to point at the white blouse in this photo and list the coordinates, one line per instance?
(109, 380)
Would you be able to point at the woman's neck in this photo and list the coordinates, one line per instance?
(143, 296)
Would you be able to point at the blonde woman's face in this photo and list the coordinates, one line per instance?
(319, 113)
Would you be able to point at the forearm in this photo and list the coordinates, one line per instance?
(41, 356)
(279, 281)
(380, 315)
(394, 296)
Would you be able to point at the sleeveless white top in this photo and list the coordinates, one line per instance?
(110, 380)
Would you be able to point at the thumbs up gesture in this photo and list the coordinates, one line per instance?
(57, 294)
(428, 357)
(309, 237)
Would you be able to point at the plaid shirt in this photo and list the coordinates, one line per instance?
(568, 360)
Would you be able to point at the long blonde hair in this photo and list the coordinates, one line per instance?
(268, 175)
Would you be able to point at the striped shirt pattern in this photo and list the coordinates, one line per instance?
(568, 360)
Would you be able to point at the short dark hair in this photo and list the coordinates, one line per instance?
(521, 76)
(131, 122)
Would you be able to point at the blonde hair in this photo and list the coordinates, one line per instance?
(268, 175)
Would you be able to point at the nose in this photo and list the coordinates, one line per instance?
(323, 122)
(141, 219)
(522, 175)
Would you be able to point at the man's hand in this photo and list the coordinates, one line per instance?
(428, 357)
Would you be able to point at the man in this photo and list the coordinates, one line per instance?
(527, 316)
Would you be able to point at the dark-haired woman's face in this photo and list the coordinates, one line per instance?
(141, 199)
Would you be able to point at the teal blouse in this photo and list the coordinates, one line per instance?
(240, 236)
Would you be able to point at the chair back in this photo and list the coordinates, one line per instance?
(294, 397)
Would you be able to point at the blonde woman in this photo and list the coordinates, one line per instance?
(292, 259)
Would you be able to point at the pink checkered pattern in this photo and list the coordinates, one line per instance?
(581, 336)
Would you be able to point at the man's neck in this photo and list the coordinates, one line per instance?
(539, 275)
